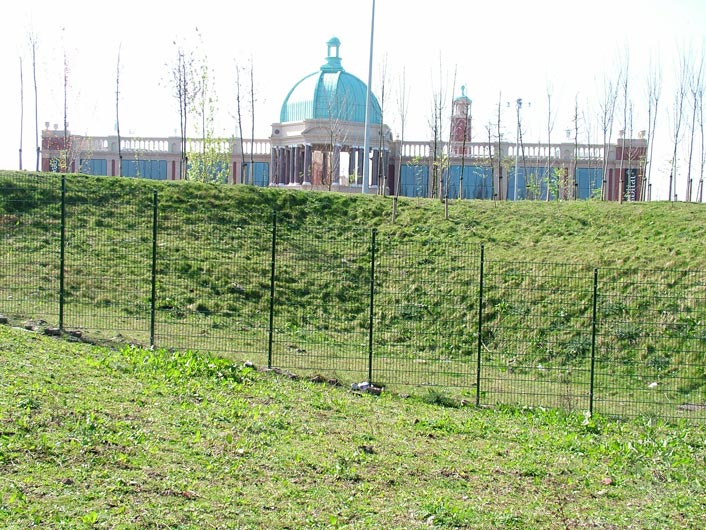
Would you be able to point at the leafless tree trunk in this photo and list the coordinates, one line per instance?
(437, 127)
(251, 168)
(402, 107)
(117, 114)
(239, 118)
(499, 151)
(446, 170)
(22, 110)
(382, 170)
(700, 101)
(185, 93)
(522, 146)
(575, 184)
(467, 137)
(626, 105)
(33, 39)
(695, 85)
(654, 90)
(550, 128)
(607, 116)
(678, 110)
(65, 154)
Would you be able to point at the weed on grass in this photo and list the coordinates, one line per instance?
(95, 437)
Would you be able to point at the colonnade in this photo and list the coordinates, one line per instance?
(295, 164)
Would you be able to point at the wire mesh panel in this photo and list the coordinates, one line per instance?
(108, 259)
(30, 231)
(537, 334)
(651, 358)
(213, 285)
(322, 302)
(426, 315)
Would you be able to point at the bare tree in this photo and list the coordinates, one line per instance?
(382, 170)
(654, 90)
(550, 128)
(575, 183)
(677, 116)
(64, 164)
(446, 169)
(499, 149)
(33, 41)
(466, 135)
(607, 106)
(436, 124)
(696, 81)
(700, 103)
(402, 108)
(117, 114)
(22, 110)
(626, 104)
(251, 168)
(239, 124)
(184, 87)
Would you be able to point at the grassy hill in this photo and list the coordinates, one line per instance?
(215, 290)
(94, 437)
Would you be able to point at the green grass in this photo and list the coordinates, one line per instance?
(94, 437)
(213, 285)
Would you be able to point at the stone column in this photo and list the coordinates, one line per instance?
(351, 164)
(297, 165)
(281, 168)
(307, 164)
(336, 166)
(273, 158)
(376, 167)
(359, 167)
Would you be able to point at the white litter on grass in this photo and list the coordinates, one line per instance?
(652, 385)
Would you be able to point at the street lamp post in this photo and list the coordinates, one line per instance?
(517, 145)
(366, 142)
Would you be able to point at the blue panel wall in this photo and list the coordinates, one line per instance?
(260, 173)
(146, 169)
(589, 182)
(477, 182)
(414, 180)
(94, 167)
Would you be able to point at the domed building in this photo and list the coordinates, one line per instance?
(319, 144)
(319, 141)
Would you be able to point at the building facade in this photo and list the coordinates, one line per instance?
(319, 144)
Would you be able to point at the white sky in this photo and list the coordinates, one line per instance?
(516, 48)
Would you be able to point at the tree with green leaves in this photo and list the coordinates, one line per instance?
(211, 160)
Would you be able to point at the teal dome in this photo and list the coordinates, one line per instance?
(330, 93)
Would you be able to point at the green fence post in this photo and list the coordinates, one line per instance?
(372, 306)
(62, 252)
(153, 296)
(593, 341)
(480, 324)
(272, 289)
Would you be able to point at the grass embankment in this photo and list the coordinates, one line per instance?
(213, 272)
(103, 438)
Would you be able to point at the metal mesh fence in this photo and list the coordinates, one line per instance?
(537, 334)
(108, 261)
(321, 301)
(406, 312)
(30, 231)
(651, 337)
(426, 315)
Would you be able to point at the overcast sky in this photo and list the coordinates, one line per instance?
(499, 50)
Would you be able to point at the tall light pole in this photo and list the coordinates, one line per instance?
(517, 145)
(366, 142)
